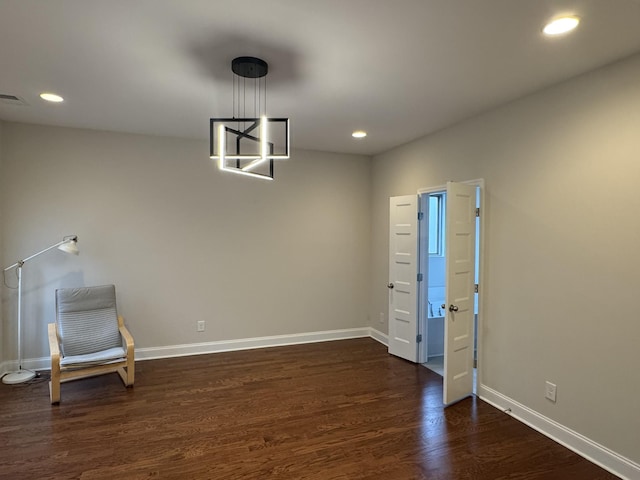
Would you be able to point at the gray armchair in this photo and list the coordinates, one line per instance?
(88, 338)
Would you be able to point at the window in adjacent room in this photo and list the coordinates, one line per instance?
(436, 224)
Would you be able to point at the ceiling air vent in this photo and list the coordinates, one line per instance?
(11, 99)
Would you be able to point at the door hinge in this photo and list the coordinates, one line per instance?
(418, 338)
(419, 277)
(478, 212)
(475, 288)
(420, 215)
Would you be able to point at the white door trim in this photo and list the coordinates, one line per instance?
(478, 182)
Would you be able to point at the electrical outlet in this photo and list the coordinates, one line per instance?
(550, 391)
(381, 318)
(200, 327)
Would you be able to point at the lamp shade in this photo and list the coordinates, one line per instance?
(70, 247)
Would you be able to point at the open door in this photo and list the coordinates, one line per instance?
(460, 289)
(403, 275)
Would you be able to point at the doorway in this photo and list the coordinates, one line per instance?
(432, 230)
(413, 309)
(433, 311)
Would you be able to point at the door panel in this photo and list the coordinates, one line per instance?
(460, 282)
(403, 272)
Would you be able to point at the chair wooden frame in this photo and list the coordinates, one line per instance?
(60, 374)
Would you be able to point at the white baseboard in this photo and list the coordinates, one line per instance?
(168, 351)
(9, 366)
(583, 446)
(378, 336)
(149, 353)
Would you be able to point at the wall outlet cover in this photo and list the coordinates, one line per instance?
(550, 391)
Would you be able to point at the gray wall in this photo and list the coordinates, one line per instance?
(183, 241)
(562, 171)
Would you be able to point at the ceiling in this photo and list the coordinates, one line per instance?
(398, 69)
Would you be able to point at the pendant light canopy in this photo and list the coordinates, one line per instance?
(248, 145)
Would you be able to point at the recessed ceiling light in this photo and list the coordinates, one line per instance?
(51, 97)
(359, 134)
(561, 25)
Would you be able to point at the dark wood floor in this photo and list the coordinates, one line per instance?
(336, 410)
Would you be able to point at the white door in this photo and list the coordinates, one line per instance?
(460, 284)
(403, 275)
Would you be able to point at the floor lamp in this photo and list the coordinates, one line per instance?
(68, 244)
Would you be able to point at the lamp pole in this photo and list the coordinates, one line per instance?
(68, 244)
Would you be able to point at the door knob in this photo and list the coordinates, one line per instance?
(390, 285)
(453, 308)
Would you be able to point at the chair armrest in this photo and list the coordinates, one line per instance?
(128, 339)
(54, 348)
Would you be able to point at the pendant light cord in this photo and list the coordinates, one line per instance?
(239, 100)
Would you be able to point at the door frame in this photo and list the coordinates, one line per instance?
(422, 308)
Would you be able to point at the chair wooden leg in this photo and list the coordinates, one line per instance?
(127, 374)
(131, 370)
(54, 384)
(123, 376)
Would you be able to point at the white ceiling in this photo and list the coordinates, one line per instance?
(396, 68)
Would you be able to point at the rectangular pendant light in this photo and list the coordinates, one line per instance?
(249, 146)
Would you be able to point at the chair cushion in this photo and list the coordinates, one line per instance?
(99, 358)
(87, 320)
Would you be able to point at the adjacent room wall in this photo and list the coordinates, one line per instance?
(183, 241)
(3, 349)
(562, 227)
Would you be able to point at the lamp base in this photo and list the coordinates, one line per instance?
(18, 377)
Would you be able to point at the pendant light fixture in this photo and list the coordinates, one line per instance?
(248, 145)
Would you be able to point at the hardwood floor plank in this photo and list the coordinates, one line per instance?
(334, 410)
